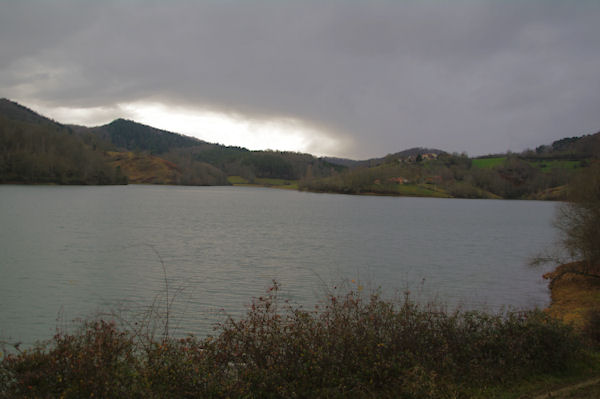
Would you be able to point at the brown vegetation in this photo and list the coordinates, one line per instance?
(350, 346)
(574, 296)
(144, 168)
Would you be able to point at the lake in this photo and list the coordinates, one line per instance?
(69, 252)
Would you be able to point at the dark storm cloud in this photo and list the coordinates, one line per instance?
(479, 76)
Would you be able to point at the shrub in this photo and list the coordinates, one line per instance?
(592, 328)
(350, 346)
(356, 345)
(99, 361)
(578, 222)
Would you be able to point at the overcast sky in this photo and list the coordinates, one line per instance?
(356, 79)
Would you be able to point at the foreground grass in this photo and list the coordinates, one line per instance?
(586, 391)
(350, 346)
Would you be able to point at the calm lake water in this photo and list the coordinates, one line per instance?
(69, 252)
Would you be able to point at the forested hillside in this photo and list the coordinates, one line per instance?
(202, 163)
(34, 149)
(135, 136)
(533, 174)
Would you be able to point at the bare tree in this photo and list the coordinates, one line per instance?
(578, 222)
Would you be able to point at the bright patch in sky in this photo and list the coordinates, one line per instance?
(234, 129)
(283, 134)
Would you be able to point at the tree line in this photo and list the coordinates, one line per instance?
(35, 149)
(49, 153)
(543, 175)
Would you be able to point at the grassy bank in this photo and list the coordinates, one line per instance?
(264, 182)
(349, 346)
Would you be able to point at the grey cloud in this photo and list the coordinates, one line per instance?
(479, 76)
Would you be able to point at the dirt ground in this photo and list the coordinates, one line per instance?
(574, 299)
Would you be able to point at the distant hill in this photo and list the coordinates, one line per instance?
(193, 156)
(411, 152)
(161, 157)
(133, 136)
(348, 163)
(16, 112)
(582, 147)
(134, 151)
(35, 149)
(541, 174)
